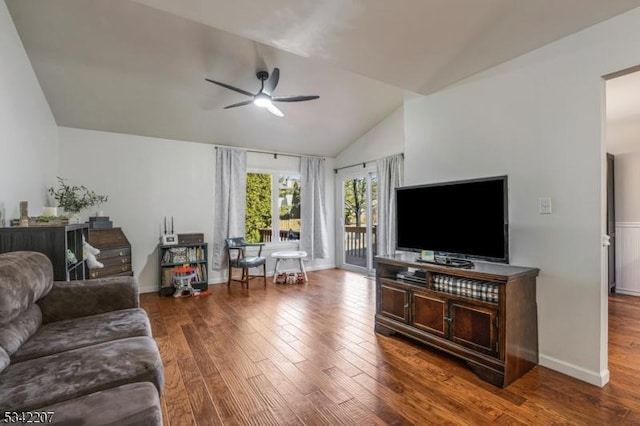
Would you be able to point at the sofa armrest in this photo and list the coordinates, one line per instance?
(74, 299)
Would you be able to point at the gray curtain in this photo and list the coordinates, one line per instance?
(390, 172)
(230, 200)
(313, 217)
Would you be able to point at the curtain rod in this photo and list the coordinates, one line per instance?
(275, 154)
(364, 164)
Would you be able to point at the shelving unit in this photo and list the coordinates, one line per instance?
(486, 316)
(171, 256)
(53, 241)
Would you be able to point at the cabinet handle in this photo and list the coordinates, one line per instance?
(406, 305)
(448, 319)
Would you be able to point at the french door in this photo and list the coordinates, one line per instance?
(358, 221)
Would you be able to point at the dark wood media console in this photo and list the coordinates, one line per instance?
(486, 316)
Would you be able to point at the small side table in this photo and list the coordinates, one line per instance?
(286, 255)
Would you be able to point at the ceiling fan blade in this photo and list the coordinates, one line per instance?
(293, 98)
(274, 110)
(238, 104)
(272, 82)
(235, 89)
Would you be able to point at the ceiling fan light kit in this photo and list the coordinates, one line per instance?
(264, 98)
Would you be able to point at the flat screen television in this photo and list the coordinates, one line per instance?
(466, 219)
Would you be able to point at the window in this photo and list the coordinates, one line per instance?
(273, 207)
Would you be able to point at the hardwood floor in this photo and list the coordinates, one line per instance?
(292, 355)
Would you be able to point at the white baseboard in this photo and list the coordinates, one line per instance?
(220, 277)
(592, 377)
(148, 289)
(627, 292)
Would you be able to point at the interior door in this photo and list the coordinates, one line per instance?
(359, 221)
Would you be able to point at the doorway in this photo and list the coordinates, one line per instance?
(357, 232)
(622, 176)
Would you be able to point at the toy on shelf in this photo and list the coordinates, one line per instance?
(89, 253)
(71, 258)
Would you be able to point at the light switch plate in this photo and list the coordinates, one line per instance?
(544, 206)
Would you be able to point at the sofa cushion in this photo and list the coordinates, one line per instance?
(127, 405)
(76, 333)
(60, 377)
(18, 331)
(75, 299)
(25, 277)
(4, 359)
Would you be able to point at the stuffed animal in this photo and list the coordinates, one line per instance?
(89, 253)
(71, 258)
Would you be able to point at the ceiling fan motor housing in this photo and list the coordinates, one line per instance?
(262, 75)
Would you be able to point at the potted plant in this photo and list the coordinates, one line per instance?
(73, 198)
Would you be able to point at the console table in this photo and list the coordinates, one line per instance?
(486, 316)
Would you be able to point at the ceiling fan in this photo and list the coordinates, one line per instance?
(264, 98)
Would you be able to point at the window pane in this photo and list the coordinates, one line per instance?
(355, 201)
(289, 207)
(258, 211)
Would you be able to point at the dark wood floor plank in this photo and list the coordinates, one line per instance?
(177, 408)
(291, 393)
(280, 345)
(366, 399)
(201, 403)
(275, 402)
(227, 407)
(308, 355)
(329, 387)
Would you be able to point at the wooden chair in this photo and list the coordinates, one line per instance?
(238, 258)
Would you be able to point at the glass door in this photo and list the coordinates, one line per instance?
(359, 221)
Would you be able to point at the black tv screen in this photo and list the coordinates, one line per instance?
(463, 219)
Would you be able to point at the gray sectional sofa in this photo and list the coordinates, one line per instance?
(80, 350)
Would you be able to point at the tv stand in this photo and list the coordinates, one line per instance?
(486, 316)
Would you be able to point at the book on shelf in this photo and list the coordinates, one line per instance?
(183, 255)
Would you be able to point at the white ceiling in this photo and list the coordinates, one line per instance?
(138, 66)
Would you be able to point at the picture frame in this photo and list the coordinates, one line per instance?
(427, 255)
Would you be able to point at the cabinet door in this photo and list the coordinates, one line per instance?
(394, 303)
(474, 326)
(429, 313)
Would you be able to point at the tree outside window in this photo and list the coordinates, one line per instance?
(272, 218)
(258, 209)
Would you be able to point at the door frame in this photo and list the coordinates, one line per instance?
(367, 171)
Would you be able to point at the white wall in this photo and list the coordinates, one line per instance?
(386, 138)
(627, 186)
(538, 119)
(28, 132)
(147, 179)
(382, 140)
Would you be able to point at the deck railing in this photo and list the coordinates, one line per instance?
(355, 241)
(266, 235)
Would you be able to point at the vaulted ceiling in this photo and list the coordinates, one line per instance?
(139, 66)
